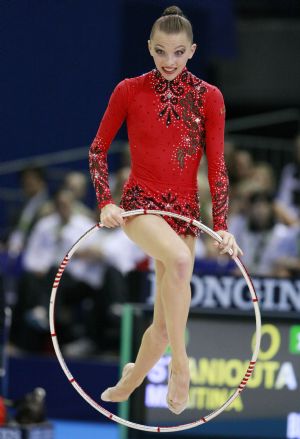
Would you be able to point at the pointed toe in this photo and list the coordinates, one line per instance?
(105, 395)
(181, 407)
(175, 407)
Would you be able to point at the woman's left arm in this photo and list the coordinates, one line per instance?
(217, 172)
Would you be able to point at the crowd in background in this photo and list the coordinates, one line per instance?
(263, 216)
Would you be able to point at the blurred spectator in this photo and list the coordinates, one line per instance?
(288, 196)
(240, 166)
(288, 263)
(76, 183)
(262, 179)
(84, 278)
(229, 154)
(258, 233)
(34, 186)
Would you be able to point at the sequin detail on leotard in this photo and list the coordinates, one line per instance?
(170, 125)
(137, 196)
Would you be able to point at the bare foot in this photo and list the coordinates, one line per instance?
(123, 389)
(178, 388)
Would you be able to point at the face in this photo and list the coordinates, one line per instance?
(64, 206)
(32, 184)
(170, 52)
(261, 213)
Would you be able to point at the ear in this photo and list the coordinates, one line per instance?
(192, 50)
(149, 47)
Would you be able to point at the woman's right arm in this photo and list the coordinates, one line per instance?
(112, 120)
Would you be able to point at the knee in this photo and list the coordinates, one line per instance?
(180, 264)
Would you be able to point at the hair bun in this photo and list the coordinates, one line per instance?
(172, 10)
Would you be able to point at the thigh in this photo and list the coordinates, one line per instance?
(158, 314)
(155, 237)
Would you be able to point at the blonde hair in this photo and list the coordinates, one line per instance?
(172, 21)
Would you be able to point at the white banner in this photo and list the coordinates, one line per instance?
(275, 294)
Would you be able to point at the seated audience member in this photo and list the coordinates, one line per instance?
(84, 278)
(262, 180)
(258, 233)
(76, 183)
(288, 262)
(288, 196)
(263, 177)
(240, 168)
(34, 187)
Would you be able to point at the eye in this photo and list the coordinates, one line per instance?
(179, 52)
(159, 51)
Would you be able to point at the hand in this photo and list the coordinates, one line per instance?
(111, 216)
(228, 243)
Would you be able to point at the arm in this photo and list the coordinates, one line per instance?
(112, 120)
(217, 173)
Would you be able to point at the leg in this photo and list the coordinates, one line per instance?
(157, 239)
(153, 345)
(179, 378)
(160, 241)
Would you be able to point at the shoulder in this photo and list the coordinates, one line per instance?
(209, 93)
(129, 87)
(237, 224)
(134, 83)
(287, 232)
(80, 220)
(213, 93)
(203, 86)
(46, 223)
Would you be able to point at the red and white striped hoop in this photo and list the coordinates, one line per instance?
(98, 407)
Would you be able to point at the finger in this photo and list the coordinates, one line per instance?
(110, 222)
(118, 219)
(114, 222)
(107, 223)
(226, 240)
(228, 246)
(237, 250)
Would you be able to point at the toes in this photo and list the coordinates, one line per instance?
(105, 396)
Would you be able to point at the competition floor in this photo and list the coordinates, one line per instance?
(86, 430)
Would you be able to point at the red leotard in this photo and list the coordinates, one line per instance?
(170, 125)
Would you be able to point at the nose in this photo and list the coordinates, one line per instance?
(170, 61)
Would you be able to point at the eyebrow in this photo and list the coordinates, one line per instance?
(160, 45)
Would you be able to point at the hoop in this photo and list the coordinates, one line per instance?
(98, 407)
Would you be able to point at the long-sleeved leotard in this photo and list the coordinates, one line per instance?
(170, 124)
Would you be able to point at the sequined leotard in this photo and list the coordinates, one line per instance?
(170, 124)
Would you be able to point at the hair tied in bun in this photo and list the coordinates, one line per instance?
(172, 10)
(173, 21)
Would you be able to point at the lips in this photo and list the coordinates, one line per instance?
(169, 71)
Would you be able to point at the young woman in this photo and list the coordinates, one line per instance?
(173, 118)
